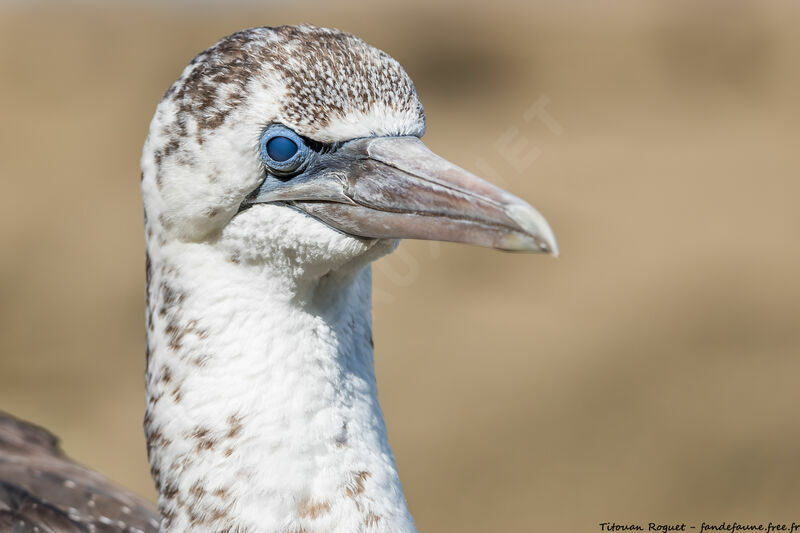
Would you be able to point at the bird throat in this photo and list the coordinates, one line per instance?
(262, 409)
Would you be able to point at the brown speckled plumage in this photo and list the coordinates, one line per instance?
(346, 76)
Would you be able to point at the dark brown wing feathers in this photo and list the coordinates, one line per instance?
(41, 490)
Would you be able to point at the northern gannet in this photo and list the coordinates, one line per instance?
(279, 165)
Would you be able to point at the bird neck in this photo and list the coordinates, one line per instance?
(262, 408)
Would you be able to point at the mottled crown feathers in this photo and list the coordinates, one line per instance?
(201, 156)
(327, 76)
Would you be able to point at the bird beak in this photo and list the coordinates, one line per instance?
(395, 188)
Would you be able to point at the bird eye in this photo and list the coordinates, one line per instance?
(282, 150)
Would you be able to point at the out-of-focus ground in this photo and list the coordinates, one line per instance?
(651, 373)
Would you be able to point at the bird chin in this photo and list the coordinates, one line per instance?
(373, 247)
(278, 232)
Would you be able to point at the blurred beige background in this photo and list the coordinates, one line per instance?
(651, 373)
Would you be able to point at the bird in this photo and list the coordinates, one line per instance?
(281, 163)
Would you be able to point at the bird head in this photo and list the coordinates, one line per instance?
(306, 141)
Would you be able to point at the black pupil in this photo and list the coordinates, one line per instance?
(281, 148)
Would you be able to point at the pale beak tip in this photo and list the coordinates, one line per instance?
(551, 245)
(535, 226)
(551, 249)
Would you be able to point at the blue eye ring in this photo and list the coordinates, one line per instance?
(282, 150)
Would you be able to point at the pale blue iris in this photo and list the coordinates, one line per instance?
(281, 148)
